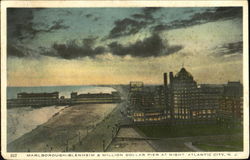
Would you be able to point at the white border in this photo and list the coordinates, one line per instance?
(133, 155)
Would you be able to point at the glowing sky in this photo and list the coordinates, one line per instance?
(81, 46)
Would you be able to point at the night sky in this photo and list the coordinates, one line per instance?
(82, 46)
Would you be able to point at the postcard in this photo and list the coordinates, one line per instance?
(124, 79)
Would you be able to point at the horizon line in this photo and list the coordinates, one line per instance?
(113, 84)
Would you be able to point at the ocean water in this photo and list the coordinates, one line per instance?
(63, 90)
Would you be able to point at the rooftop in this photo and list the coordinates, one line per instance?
(183, 74)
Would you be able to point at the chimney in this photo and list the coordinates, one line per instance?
(165, 77)
(171, 77)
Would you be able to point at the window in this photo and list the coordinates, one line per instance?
(194, 113)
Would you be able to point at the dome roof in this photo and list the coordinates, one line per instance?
(183, 73)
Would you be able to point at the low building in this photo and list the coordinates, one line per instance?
(208, 104)
(64, 101)
(147, 106)
(34, 99)
(135, 86)
(231, 103)
(141, 99)
(150, 115)
(112, 97)
(159, 96)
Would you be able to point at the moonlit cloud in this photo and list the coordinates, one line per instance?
(152, 46)
(221, 13)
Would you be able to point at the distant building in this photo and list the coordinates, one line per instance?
(146, 105)
(34, 99)
(135, 86)
(231, 103)
(112, 97)
(141, 99)
(159, 96)
(150, 114)
(208, 103)
(24, 95)
(47, 99)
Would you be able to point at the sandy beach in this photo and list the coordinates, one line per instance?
(63, 130)
(22, 120)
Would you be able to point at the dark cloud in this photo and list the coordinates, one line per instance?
(126, 27)
(64, 13)
(146, 14)
(89, 15)
(20, 24)
(96, 18)
(56, 26)
(230, 48)
(149, 47)
(16, 24)
(92, 17)
(150, 10)
(29, 31)
(152, 46)
(18, 51)
(188, 11)
(133, 24)
(14, 51)
(73, 50)
(222, 13)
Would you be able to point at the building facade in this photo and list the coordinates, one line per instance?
(34, 99)
(145, 106)
(112, 97)
(231, 103)
(183, 101)
(183, 94)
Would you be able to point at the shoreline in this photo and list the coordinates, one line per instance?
(63, 129)
(25, 113)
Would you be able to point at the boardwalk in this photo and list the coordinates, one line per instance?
(129, 140)
(99, 139)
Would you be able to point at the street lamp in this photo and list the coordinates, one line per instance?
(103, 145)
(79, 136)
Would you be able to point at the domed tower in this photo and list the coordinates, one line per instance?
(184, 92)
(184, 75)
(183, 80)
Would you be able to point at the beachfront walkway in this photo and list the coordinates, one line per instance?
(100, 138)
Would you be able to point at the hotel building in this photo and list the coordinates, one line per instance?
(183, 101)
